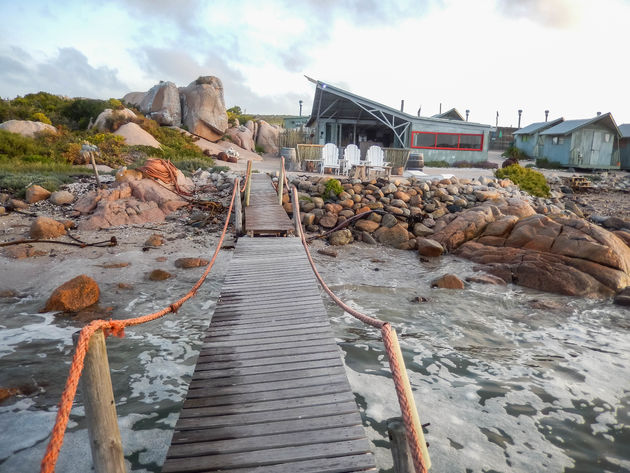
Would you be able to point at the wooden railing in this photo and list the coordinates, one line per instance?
(397, 157)
(305, 151)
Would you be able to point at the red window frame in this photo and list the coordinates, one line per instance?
(436, 133)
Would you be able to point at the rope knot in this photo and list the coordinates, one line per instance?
(116, 328)
(175, 306)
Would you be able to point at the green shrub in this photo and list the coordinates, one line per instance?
(333, 186)
(479, 164)
(259, 149)
(514, 153)
(214, 169)
(40, 117)
(437, 164)
(527, 179)
(191, 165)
(79, 112)
(16, 176)
(544, 163)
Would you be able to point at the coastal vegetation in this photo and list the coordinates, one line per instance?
(533, 182)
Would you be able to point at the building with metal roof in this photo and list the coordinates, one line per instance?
(343, 118)
(624, 146)
(528, 139)
(452, 114)
(591, 143)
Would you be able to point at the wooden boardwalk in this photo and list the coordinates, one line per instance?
(264, 215)
(269, 393)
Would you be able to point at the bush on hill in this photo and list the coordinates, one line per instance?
(527, 179)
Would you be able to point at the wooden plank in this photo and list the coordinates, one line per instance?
(211, 399)
(267, 457)
(267, 406)
(197, 392)
(346, 464)
(264, 442)
(207, 363)
(253, 430)
(253, 350)
(266, 378)
(269, 369)
(248, 357)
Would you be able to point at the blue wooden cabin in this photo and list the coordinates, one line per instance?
(624, 146)
(529, 140)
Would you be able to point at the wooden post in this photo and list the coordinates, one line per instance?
(281, 181)
(238, 209)
(295, 201)
(403, 463)
(249, 182)
(98, 179)
(100, 408)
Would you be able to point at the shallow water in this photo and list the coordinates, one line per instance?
(506, 387)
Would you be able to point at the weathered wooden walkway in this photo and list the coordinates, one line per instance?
(269, 392)
(264, 215)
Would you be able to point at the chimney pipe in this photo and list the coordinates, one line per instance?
(467, 113)
(599, 113)
(520, 112)
(440, 107)
(546, 114)
(402, 105)
(300, 108)
(497, 120)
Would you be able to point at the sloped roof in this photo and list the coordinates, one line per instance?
(569, 126)
(538, 126)
(625, 130)
(451, 114)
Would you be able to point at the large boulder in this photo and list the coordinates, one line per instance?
(35, 193)
(134, 135)
(27, 128)
(267, 137)
(203, 108)
(74, 295)
(466, 226)
(106, 118)
(242, 136)
(134, 98)
(162, 104)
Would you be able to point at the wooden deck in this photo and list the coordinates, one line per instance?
(269, 393)
(264, 215)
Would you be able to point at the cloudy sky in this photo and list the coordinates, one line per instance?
(567, 56)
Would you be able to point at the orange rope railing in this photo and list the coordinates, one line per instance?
(116, 328)
(411, 420)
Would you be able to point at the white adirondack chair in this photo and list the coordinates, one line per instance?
(375, 158)
(352, 157)
(330, 157)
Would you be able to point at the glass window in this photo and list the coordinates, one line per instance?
(470, 141)
(430, 140)
(447, 141)
(425, 140)
(554, 140)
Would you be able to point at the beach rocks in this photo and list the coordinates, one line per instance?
(394, 236)
(448, 281)
(74, 295)
(341, 237)
(186, 263)
(106, 118)
(161, 103)
(428, 247)
(35, 193)
(623, 298)
(154, 240)
(44, 228)
(136, 136)
(159, 275)
(62, 197)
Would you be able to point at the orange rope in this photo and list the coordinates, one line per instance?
(390, 340)
(164, 171)
(116, 328)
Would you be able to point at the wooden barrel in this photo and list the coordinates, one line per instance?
(415, 162)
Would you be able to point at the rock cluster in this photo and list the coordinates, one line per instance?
(200, 106)
(540, 243)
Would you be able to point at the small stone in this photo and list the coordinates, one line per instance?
(22, 251)
(62, 197)
(36, 193)
(393, 236)
(419, 299)
(448, 281)
(44, 228)
(428, 247)
(341, 237)
(159, 275)
(8, 293)
(16, 204)
(366, 226)
(329, 220)
(367, 238)
(116, 265)
(124, 285)
(421, 230)
(389, 221)
(327, 252)
(74, 295)
(154, 240)
(486, 279)
(623, 298)
(161, 259)
(186, 263)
